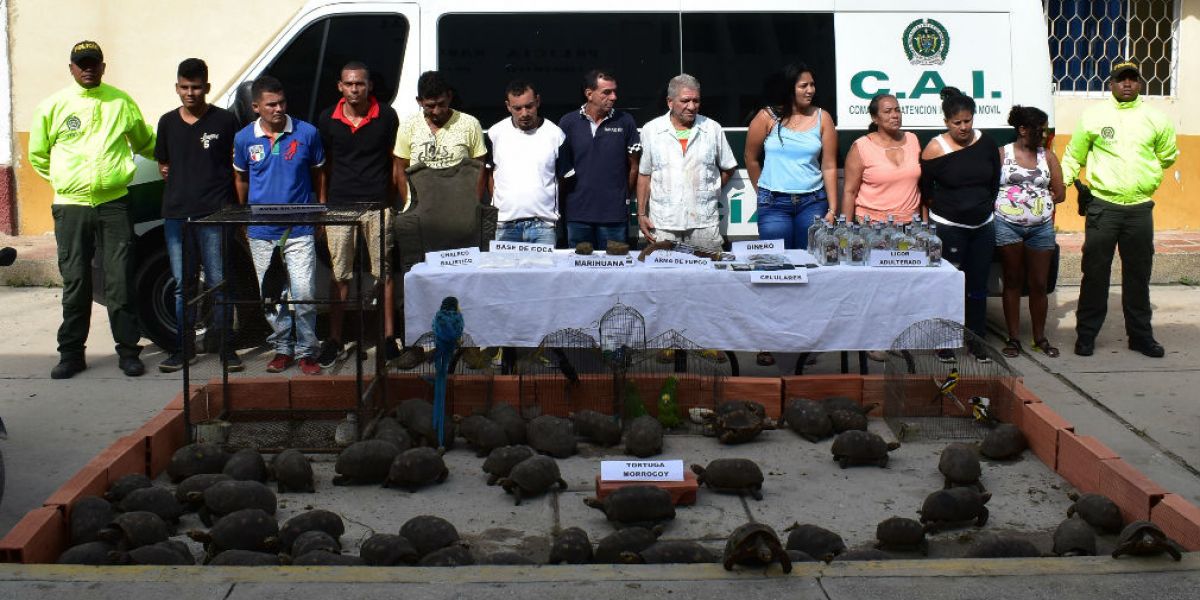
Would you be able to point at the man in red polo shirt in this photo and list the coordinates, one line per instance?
(358, 134)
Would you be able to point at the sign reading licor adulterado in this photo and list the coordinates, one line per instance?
(641, 470)
(913, 56)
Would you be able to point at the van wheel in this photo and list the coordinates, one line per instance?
(155, 289)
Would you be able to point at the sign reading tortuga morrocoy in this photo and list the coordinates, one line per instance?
(641, 470)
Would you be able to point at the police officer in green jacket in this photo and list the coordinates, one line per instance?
(1125, 145)
(82, 140)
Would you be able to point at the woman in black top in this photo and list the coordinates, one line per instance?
(960, 172)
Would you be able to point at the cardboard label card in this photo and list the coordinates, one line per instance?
(641, 470)
(526, 247)
(746, 248)
(460, 257)
(677, 260)
(779, 277)
(601, 261)
(898, 258)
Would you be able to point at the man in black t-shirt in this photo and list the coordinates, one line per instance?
(195, 156)
(358, 134)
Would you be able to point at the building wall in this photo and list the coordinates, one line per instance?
(1174, 207)
(143, 42)
(7, 201)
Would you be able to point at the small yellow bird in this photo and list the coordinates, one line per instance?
(946, 389)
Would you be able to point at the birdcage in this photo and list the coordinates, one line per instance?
(672, 365)
(943, 382)
(566, 373)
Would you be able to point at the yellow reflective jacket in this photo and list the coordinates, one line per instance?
(1125, 147)
(83, 140)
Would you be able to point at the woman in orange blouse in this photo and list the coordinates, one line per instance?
(883, 167)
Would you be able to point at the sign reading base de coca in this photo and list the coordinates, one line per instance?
(641, 470)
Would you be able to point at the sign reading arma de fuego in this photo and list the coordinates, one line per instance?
(913, 59)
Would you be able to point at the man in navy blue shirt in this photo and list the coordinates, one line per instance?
(278, 160)
(603, 148)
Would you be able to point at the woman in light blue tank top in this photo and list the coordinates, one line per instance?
(791, 156)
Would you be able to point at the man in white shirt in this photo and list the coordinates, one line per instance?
(524, 177)
(685, 163)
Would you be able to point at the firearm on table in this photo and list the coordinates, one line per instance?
(684, 248)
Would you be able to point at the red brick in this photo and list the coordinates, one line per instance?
(819, 387)
(1041, 425)
(506, 388)
(125, 456)
(176, 403)
(767, 391)
(1179, 519)
(164, 434)
(324, 392)
(39, 537)
(682, 492)
(207, 403)
(252, 393)
(1079, 458)
(402, 386)
(1133, 492)
(91, 480)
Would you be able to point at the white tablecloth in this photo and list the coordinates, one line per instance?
(840, 308)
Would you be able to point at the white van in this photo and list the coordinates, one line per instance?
(995, 50)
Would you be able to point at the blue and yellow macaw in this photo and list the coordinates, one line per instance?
(447, 332)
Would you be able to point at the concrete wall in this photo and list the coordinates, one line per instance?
(143, 42)
(8, 203)
(1174, 206)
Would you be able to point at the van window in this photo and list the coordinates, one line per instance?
(480, 53)
(310, 66)
(732, 54)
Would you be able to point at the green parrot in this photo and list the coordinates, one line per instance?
(668, 408)
(634, 407)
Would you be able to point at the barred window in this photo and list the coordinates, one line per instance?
(1087, 36)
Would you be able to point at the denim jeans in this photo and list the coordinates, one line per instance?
(531, 230)
(596, 233)
(300, 257)
(971, 251)
(788, 216)
(205, 247)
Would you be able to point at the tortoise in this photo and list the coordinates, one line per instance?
(88, 553)
(901, 533)
(428, 533)
(89, 515)
(365, 462)
(551, 435)
(325, 558)
(863, 554)
(510, 420)
(731, 406)
(959, 464)
(798, 556)
(481, 433)
(190, 491)
(311, 541)
(736, 475)
(417, 417)
(644, 438)
(670, 552)
(953, 506)
(500, 461)
(313, 520)
(194, 459)
(854, 447)
(247, 529)
(1003, 546)
(636, 506)
(597, 428)
(416, 467)
(159, 501)
(292, 472)
(170, 552)
(506, 557)
(388, 550)
(572, 546)
(1143, 538)
(245, 558)
(533, 476)
(1074, 537)
(390, 430)
(119, 488)
(246, 465)
(755, 544)
(738, 426)
(631, 539)
(809, 419)
(135, 529)
(833, 403)
(846, 420)
(226, 497)
(454, 555)
(1003, 442)
(1098, 510)
(815, 541)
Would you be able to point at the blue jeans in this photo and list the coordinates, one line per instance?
(204, 247)
(783, 216)
(971, 251)
(300, 259)
(531, 230)
(596, 233)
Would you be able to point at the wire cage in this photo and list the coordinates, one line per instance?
(566, 373)
(671, 364)
(622, 331)
(942, 382)
(469, 385)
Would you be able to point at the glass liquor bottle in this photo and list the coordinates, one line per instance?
(857, 247)
(813, 229)
(889, 232)
(828, 248)
(841, 232)
(903, 241)
(933, 246)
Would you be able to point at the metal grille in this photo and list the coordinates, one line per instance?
(1087, 36)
